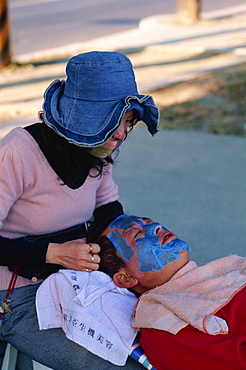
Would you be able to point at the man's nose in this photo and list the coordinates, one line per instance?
(152, 229)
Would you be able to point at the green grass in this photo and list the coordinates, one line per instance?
(220, 109)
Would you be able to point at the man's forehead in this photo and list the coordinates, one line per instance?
(124, 221)
(114, 234)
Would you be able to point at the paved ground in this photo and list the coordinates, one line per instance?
(194, 183)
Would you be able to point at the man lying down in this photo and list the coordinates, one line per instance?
(185, 314)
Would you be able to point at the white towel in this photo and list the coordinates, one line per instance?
(91, 310)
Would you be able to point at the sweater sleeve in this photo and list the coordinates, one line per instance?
(14, 178)
(22, 253)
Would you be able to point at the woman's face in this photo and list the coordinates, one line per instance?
(121, 133)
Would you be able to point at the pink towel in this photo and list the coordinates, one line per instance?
(193, 296)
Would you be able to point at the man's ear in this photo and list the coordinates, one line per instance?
(124, 280)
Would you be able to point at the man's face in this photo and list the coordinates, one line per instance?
(152, 252)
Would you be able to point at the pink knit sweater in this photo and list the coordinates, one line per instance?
(33, 199)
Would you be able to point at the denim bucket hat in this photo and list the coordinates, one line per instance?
(88, 107)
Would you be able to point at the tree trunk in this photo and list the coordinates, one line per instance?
(4, 34)
(188, 11)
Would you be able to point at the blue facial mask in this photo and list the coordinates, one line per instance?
(151, 255)
(121, 245)
(151, 229)
(124, 221)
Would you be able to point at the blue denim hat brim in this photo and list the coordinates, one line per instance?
(91, 124)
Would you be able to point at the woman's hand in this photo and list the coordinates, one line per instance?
(74, 255)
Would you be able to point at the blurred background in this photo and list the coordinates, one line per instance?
(42, 24)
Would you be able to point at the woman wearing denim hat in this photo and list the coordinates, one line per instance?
(56, 174)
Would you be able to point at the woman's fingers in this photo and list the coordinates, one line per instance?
(74, 255)
(94, 248)
(93, 257)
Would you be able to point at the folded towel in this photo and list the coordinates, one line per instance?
(193, 296)
(91, 310)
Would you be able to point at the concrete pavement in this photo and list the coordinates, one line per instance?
(192, 182)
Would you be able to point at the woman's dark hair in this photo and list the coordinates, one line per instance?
(110, 262)
(75, 160)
